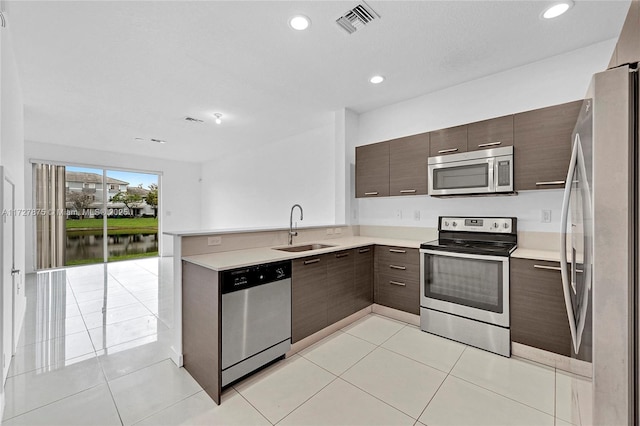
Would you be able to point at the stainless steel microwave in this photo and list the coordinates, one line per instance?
(476, 172)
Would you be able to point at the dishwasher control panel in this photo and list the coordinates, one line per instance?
(251, 276)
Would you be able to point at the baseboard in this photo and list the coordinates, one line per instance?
(395, 314)
(570, 365)
(176, 357)
(327, 331)
(1, 403)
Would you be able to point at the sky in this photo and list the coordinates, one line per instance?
(133, 178)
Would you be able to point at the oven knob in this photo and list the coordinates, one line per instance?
(495, 225)
(446, 223)
(506, 225)
(454, 224)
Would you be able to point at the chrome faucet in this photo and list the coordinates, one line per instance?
(293, 233)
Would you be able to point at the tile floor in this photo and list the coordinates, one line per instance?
(80, 364)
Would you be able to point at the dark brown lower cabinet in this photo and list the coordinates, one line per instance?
(308, 296)
(340, 285)
(538, 312)
(363, 277)
(397, 278)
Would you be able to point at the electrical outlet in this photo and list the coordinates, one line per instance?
(398, 214)
(545, 216)
(214, 241)
(338, 230)
(416, 215)
(329, 231)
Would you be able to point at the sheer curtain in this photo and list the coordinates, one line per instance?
(50, 215)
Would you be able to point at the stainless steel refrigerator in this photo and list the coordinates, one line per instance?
(599, 246)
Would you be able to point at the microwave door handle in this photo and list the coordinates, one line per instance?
(490, 174)
(566, 279)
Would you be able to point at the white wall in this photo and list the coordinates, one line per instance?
(552, 81)
(11, 159)
(257, 188)
(179, 185)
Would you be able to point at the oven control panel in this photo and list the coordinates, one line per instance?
(501, 225)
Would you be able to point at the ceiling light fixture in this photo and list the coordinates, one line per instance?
(218, 117)
(376, 79)
(299, 22)
(557, 9)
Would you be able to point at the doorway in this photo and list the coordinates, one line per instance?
(9, 291)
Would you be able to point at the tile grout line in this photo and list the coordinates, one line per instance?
(50, 403)
(504, 396)
(442, 383)
(256, 408)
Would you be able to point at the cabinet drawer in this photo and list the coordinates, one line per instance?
(397, 256)
(538, 312)
(402, 294)
(494, 133)
(448, 141)
(400, 271)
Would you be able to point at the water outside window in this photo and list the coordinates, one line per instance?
(127, 201)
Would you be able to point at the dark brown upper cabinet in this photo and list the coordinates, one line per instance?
(408, 165)
(448, 141)
(542, 146)
(487, 134)
(372, 170)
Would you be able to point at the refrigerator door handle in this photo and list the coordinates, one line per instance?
(566, 280)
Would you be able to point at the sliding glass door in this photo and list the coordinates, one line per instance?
(99, 215)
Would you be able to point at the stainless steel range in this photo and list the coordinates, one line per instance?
(464, 277)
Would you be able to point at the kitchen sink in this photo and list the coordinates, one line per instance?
(305, 247)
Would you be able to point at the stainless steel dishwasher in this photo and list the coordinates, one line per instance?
(256, 317)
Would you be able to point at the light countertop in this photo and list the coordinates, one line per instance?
(223, 261)
(198, 232)
(524, 253)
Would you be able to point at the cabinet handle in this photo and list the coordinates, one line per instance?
(444, 151)
(402, 268)
(371, 193)
(342, 255)
(550, 268)
(397, 251)
(408, 191)
(482, 145)
(309, 262)
(365, 250)
(397, 283)
(554, 268)
(553, 182)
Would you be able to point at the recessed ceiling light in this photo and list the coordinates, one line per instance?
(299, 22)
(557, 9)
(376, 79)
(218, 117)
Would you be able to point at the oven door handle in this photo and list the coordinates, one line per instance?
(465, 255)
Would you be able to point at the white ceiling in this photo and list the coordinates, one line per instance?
(97, 74)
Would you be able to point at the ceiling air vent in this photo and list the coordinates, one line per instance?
(193, 120)
(357, 18)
